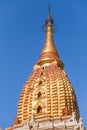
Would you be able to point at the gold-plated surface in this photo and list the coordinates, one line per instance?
(49, 46)
(49, 52)
(48, 91)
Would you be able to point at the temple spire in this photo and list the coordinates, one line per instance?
(49, 52)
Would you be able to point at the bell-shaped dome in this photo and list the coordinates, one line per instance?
(48, 91)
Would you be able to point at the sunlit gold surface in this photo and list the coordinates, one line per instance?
(49, 52)
(49, 46)
(48, 91)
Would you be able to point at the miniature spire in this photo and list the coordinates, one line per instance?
(49, 52)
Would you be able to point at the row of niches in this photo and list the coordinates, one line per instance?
(39, 105)
(40, 82)
(44, 70)
(42, 110)
(39, 109)
(68, 97)
(69, 92)
(39, 76)
(66, 88)
(40, 90)
(65, 92)
(39, 95)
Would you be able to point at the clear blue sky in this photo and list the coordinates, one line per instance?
(22, 39)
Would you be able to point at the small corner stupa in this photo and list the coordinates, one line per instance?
(48, 100)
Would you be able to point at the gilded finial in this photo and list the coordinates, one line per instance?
(49, 52)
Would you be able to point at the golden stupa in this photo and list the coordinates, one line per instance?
(48, 91)
(48, 100)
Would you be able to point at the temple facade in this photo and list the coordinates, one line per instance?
(48, 100)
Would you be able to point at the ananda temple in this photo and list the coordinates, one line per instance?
(48, 100)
